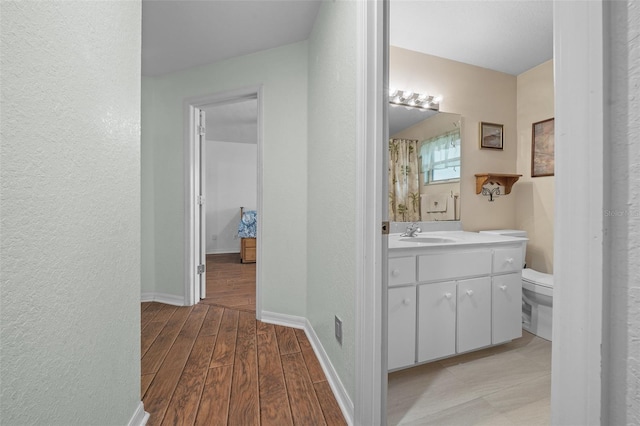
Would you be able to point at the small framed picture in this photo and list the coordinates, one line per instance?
(543, 148)
(491, 135)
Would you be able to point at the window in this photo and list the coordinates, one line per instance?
(441, 158)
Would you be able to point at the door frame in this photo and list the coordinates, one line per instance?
(191, 154)
(576, 388)
(579, 263)
(371, 209)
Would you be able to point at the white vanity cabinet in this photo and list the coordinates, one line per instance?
(445, 301)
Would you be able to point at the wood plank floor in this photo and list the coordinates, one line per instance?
(231, 284)
(211, 365)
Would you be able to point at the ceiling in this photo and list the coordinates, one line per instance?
(510, 36)
(180, 34)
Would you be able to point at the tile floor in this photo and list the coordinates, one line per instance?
(504, 385)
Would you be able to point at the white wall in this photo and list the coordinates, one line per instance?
(622, 201)
(283, 73)
(70, 196)
(332, 178)
(231, 183)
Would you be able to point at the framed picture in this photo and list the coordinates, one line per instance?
(491, 135)
(542, 148)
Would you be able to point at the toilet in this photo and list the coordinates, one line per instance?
(537, 293)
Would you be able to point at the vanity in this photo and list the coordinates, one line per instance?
(452, 292)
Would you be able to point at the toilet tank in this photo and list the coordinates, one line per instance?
(518, 233)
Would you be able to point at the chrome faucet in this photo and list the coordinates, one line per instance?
(411, 230)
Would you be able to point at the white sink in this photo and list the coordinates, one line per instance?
(431, 240)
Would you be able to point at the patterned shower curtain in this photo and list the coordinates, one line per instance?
(404, 181)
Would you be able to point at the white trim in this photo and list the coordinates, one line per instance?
(169, 299)
(189, 179)
(224, 251)
(576, 383)
(339, 391)
(370, 355)
(285, 320)
(140, 417)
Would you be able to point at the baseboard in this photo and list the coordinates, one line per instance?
(292, 321)
(339, 391)
(140, 417)
(169, 299)
(224, 251)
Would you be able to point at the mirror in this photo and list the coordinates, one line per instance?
(424, 165)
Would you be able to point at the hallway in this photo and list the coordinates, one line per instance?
(214, 364)
(209, 365)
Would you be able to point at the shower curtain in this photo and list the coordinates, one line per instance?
(404, 181)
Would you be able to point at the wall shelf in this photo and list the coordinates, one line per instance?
(505, 180)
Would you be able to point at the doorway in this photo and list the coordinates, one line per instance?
(222, 237)
(229, 175)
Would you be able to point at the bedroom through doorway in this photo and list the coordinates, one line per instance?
(225, 168)
(230, 158)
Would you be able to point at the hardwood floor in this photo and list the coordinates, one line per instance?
(211, 365)
(230, 283)
(506, 385)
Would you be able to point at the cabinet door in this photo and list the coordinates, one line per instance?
(436, 320)
(507, 308)
(402, 327)
(474, 314)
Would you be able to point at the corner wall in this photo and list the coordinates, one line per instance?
(477, 94)
(332, 183)
(70, 220)
(283, 74)
(535, 197)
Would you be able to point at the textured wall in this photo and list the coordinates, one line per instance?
(70, 219)
(283, 74)
(332, 182)
(535, 197)
(622, 217)
(477, 94)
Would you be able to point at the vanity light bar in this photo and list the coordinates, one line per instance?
(414, 100)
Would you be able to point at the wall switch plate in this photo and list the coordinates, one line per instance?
(338, 324)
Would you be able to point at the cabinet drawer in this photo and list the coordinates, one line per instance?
(402, 270)
(507, 260)
(447, 266)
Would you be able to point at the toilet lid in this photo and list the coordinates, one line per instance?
(538, 278)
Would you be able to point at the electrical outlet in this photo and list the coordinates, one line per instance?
(338, 323)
